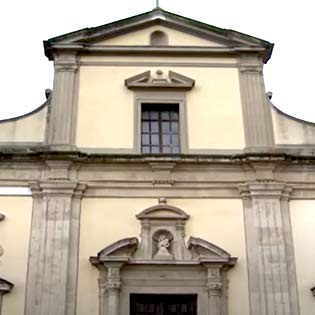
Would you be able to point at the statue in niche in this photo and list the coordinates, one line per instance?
(163, 239)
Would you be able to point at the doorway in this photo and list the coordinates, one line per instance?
(163, 304)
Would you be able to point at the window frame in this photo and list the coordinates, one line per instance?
(161, 98)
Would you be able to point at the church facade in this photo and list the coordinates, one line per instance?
(158, 179)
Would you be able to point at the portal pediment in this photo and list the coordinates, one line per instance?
(163, 242)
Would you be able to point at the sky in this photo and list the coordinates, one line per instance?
(25, 72)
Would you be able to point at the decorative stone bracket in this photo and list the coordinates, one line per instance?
(5, 287)
(162, 244)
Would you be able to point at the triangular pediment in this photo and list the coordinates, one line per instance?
(181, 31)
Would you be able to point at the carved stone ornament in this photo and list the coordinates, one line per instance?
(160, 79)
(5, 286)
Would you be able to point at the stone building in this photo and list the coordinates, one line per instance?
(158, 179)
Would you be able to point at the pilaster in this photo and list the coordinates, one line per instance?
(271, 266)
(215, 289)
(113, 286)
(62, 119)
(256, 112)
(52, 269)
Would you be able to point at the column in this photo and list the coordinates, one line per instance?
(258, 126)
(62, 118)
(53, 262)
(113, 287)
(271, 267)
(215, 289)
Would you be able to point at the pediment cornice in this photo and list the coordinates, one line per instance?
(89, 36)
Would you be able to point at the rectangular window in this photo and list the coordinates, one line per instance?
(160, 129)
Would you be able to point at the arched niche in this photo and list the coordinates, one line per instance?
(162, 262)
(158, 38)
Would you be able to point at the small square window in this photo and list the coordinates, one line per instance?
(160, 129)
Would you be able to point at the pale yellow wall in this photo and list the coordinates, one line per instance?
(288, 130)
(14, 238)
(106, 107)
(122, 60)
(142, 38)
(26, 129)
(104, 221)
(303, 229)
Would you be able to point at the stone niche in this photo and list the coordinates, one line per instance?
(163, 262)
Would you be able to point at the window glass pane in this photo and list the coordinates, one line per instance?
(174, 127)
(145, 115)
(145, 127)
(165, 127)
(166, 139)
(174, 115)
(145, 139)
(155, 139)
(155, 150)
(166, 149)
(175, 149)
(154, 126)
(165, 115)
(175, 140)
(145, 149)
(154, 115)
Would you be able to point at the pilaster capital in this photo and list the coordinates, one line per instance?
(251, 69)
(265, 189)
(57, 188)
(66, 62)
(251, 63)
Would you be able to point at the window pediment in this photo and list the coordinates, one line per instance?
(159, 79)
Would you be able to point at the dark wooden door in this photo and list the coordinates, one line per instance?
(163, 304)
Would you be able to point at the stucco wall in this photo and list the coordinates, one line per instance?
(289, 130)
(303, 230)
(15, 234)
(29, 128)
(104, 221)
(106, 107)
(142, 38)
